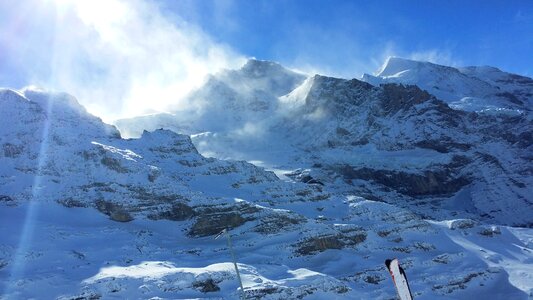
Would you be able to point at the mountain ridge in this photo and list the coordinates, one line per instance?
(327, 115)
(468, 88)
(355, 174)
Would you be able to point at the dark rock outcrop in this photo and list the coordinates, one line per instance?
(115, 211)
(211, 220)
(346, 237)
(206, 286)
(439, 182)
(278, 222)
(397, 97)
(178, 212)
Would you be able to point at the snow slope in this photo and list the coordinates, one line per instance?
(80, 253)
(369, 173)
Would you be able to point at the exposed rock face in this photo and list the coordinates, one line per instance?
(211, 220)
(428, 183)
(396, 97)
(206, 286)
(171, 145)
(345, 237)
(71, 202)
(11, 150)
(115, 211)
(319, 244)
(303, 176)
(443, 146)
(462, 224)
(113, 164)
(279, 222)
(178, 212)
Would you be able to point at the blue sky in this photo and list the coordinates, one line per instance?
(123, 58)
(351, 37)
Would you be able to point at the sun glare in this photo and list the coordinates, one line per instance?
(119, 58)
(98, 13)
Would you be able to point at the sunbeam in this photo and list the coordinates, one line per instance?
(18, 268)
(119, 58)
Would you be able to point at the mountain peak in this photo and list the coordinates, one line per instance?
(481, 89)
(394, 65)
(62, 100)
(261, 68)
(262, 76)
(7, 94)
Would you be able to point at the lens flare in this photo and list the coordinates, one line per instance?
(19, 266)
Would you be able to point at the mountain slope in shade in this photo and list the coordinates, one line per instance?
(403, 139)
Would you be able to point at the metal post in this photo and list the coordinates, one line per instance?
(235, 264)
(226, 231)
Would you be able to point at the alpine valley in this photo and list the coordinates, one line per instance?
(318, 180)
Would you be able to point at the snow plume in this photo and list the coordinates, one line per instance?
(441, 57)
(444, 56)
(118, 57)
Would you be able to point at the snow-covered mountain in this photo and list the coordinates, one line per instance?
(402, 140)
(367, 173)
(399, 143)
(228, 101)
(482, 89)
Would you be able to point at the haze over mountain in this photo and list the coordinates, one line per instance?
(396, 131)
(319, 180)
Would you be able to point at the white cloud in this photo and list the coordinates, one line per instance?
(125, 57)
(381, 59)
(441, 57)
